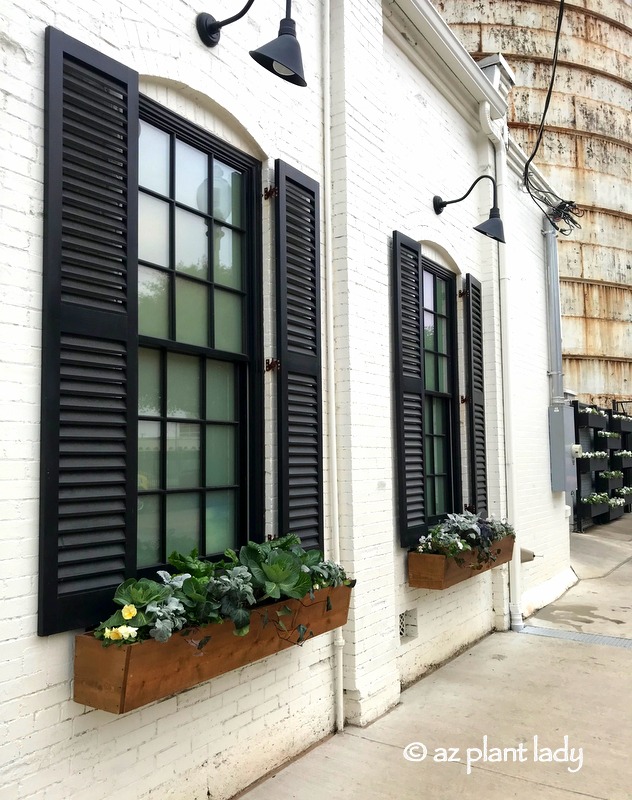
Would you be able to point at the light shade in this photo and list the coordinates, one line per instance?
(282, 56)
(493, 227)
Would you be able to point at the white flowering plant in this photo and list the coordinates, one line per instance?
(623, 453)
(595, 454)
(596, 498)
(591, 410)
(616, 502)
(459, 533)
(609, 434)
(204, 592)
(624, 490)
(607, 474)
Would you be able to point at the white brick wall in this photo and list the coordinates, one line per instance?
(397, 139)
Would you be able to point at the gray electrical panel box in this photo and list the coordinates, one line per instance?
(561, 438)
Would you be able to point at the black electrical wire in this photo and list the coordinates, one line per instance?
(560, 213)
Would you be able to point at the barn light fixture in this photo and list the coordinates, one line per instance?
(493, 227)
(281, 56)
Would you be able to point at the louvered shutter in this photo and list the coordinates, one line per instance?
(409, 387)
(89, 350)
(298, 344)
(476, 395)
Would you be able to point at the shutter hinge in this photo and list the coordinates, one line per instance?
(463, 293)
(273, 365)
(465, 398)
(270, 191)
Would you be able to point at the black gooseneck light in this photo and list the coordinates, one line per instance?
(492, 227)
(281, 56)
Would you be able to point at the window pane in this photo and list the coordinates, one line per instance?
(228, 322)
(149, 400)
(428, 291)
(439, 454)
(440, 408)
(429, 456)
(153, 159)
(183, 522)
(183, 386)
(441, 496)
(227, 269)
(430, 498)
(429, 331)
(153, 303)
(183, 455)
(148, 455)
(191, 177)
(443, 374)
(442, 338)
(227, 193)
(220, 391)
(441, 296)
(148, 547)
(220, 455)
(191, 312)
(220, 521)
(153, 230)
(430, 378)
(191, 244)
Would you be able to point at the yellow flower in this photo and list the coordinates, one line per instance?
(129, 612)
(112, 633)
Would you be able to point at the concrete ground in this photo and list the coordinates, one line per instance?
(519, 715)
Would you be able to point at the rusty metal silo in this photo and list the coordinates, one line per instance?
(586, 153)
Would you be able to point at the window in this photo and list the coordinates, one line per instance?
(427, 407)
(152, 364)
(195, 271)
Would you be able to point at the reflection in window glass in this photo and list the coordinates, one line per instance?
(191, 177)
(153, 230)
(191, 244)
(220, 521)
(192, 324)
(183, 455)
(153, 303)
(227, 193)
(149, 397)
(148, 547)
(220, 455)
(153, 159)
(227, 269)
(183, 386)
(428, 291)
(220, 391)
(183, 522)
(228, 322)
(148, 455)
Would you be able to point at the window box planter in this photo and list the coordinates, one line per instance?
(615, 513)
(621, 425)
(121, 678)
(594, 510)
(612, 442)
(608, 484)
(430, 571)
(620, 462)
(594, 464)
(591, 420)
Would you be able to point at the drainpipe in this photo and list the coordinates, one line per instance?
(554, 327)
(332, 451)
(515, 587)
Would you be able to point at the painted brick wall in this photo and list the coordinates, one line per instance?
(397, 139)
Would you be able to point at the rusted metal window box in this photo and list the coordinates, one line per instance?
(121, 678)
(429, 571)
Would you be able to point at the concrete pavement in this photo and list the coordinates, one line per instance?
(518, 715)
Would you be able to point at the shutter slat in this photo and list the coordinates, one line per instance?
(298, 337)
(409, 387)
(476, 395)
(89, 373)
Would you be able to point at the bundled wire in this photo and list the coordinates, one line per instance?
(562, 214)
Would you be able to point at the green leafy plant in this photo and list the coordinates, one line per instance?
(595, 454)
(623, 453)
(608, 434)
(611, 473)
(459, 533)
(202, 592)
(624, 490)
(596, 498)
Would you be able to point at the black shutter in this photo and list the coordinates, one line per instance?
(476, 396)
(298, 345)
(409, 387)
(89, 337)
